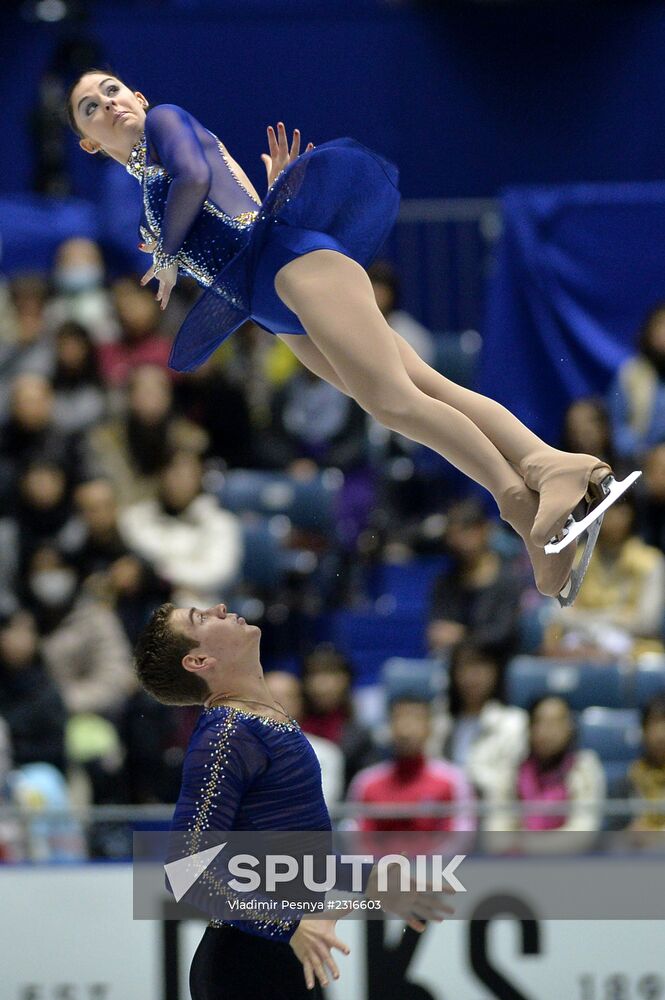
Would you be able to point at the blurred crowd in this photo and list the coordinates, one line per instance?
(115, 495)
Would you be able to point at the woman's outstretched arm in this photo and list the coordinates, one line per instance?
(170, 133)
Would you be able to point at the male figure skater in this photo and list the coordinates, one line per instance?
(248, 766)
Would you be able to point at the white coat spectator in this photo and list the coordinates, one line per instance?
(185, 536)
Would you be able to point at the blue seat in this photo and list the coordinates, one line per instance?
(456, 357)
(309, 504)
(614, 733)
(410, 583)
(263, 564)
(368, 639)
(648, 679)
(420, 678)
(581, 684)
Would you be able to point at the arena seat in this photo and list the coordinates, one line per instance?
(421, 678)
(263, 565)
(581, 684)
(368, 638)
(648, 679)
(308, 503)
(615, 735)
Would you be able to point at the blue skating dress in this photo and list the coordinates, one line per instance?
(338, 196)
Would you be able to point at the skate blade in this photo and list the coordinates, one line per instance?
(613, 489)
(572, 588)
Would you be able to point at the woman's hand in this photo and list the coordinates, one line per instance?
(280, 156)
(166, 278)
(313, 941)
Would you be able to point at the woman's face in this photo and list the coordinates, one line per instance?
(476, 682)
(551, 728)
(586, 428)
(72, 352)
(107, 112)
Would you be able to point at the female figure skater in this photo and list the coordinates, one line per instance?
(295, 264)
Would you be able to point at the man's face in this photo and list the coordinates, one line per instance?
(221, 634)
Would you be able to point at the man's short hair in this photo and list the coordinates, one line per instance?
(158, 661)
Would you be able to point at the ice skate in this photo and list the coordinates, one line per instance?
(572, 588)
(518, 507)
(562, 480)
(609, 491)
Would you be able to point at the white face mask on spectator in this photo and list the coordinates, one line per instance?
(53, 587)
(79, 277)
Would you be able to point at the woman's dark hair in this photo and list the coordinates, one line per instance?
(653, 710)
(68, 100)
(383, 273)
(599, 408)
(470, 652)
(326, 658)
(646, 329)
(89, 374)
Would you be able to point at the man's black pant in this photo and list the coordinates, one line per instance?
(230, 964)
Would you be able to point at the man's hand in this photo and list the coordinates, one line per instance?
(313, 942)
(280, 156)
(166, 278)
(412, 905)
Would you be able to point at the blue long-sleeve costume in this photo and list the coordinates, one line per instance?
(247, 772)
(338, 196)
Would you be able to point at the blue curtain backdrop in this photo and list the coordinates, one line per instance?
(577, 268)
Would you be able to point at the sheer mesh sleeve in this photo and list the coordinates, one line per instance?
(170, 134)
(220, 766)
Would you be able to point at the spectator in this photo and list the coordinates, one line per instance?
(554, 771)
(154, 737)
(313, 422)
(482, 735)
(132, 449)
(650, 498)
(32, 435)
(328, 708)
(620, 607)
(478, 599)
(29, 700)
(41, 510)
(587, 429)
(184, 535)
(286, 689)
(24, 347)
(637, 396)
(410, 777)
(5, 762)
(110, 570)
(647, 774)
(140, 342)
(211, 399)
(78, 277)
(79, 395)
(386, 291)
(83, 643)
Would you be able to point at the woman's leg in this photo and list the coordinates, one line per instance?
(560, 478)
(333, 298)
(311, 357)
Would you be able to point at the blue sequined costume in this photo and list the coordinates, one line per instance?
(248, 772)
(339, 196)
